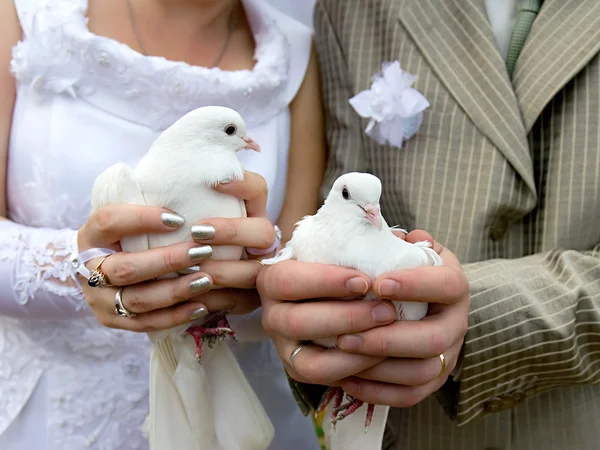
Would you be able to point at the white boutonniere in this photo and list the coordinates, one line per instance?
(395, 109)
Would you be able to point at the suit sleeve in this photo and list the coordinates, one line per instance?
(534, 325)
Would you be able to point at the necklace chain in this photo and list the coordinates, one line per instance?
(223, 49)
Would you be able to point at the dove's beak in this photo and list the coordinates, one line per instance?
(251, 145)
(373, 215)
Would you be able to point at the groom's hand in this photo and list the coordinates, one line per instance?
(289, 320)
(412, 369)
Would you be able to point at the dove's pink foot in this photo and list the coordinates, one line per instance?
(214, 329)
(343, 411)
(370, 411)
(339, 410)
(327, 397)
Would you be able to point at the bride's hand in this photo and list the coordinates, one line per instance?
(156, 304)
(235, 281)
(217, 286)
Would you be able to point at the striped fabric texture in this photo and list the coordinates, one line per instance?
(505, 174)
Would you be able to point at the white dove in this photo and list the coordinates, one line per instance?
(195, 404)
(348, 230)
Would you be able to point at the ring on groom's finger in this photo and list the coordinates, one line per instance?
(120, 309)
(295, 353)
(98, 278)
(443, 361)
(261, 252)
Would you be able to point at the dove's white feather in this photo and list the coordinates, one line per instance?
(118, 185)
(208, 406)
(345, 232)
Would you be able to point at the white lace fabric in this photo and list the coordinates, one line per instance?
(42, 324)
(61, 56)
(35, 266)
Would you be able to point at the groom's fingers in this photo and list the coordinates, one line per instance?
(292, 280)
(318, 365)
(325, 318)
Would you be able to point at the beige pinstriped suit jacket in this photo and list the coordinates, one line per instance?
(507, 175)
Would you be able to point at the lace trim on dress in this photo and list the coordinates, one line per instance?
(42, 262)
(60, 55)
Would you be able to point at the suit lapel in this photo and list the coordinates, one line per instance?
(456, 39)
(562, 40)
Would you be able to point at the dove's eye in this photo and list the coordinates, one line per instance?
(345, 193)
(230, 129)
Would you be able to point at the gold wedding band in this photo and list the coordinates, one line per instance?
(443, 361)
(98, 278)
(295, 352)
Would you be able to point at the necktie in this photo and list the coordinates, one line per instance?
(528, 10)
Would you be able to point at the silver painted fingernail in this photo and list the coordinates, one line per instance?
(198, 253)
(198, 314)
(226, 181)
(172, 220)
(189, 270)
(203, 231)
(200, 285)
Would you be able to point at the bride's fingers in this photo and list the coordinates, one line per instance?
(234, 301)
(160, 319)
(109, 224)
(150, 296)
(252, 189)
(244, 232)
(123, 269)
(232, 274)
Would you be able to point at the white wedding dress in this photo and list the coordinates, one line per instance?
(85, 102)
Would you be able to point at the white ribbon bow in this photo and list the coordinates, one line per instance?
(395, 109)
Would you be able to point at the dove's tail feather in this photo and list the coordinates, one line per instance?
(202, 406)
(240, 421)
(166, 352)
(171, 424)
(180, 412)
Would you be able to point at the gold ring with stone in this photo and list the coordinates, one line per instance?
(98, 278)
(443, 361)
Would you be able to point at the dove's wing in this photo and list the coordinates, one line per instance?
(303, 228)
(118, 185)
(284, 254)
(432, 256)
(418, 254)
